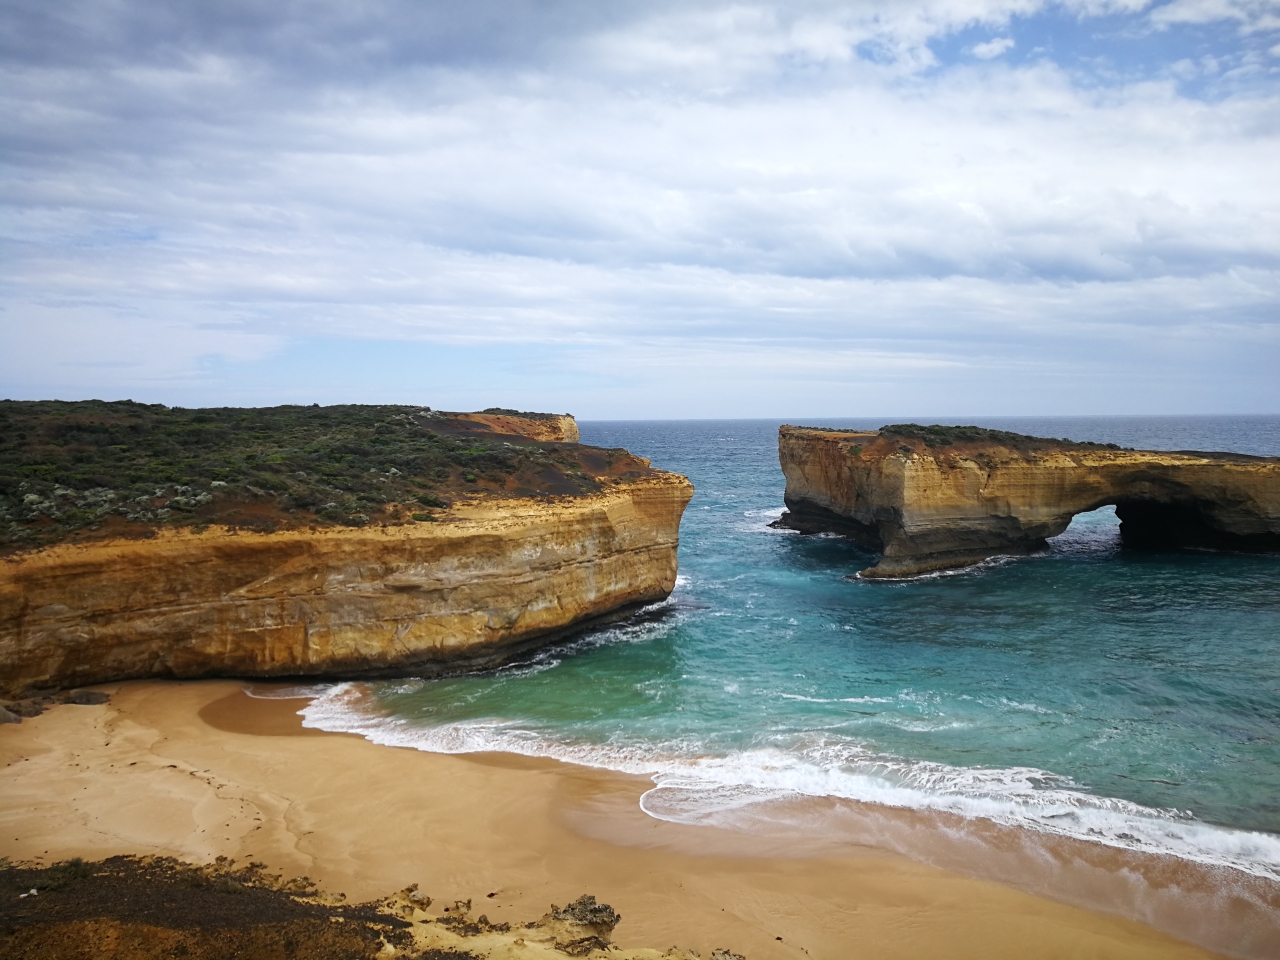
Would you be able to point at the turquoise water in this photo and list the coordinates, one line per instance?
(1131, 699)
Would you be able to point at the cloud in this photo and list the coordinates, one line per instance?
(1251, 15)
(750, 189)
(993, 48)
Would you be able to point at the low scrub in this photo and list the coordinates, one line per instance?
(938, 435)
(80, 468)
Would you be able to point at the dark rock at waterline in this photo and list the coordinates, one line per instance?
(29, 708)
(34, 706)
(85, 698)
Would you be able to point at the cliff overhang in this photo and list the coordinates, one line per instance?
(468, 592)
(934, 498)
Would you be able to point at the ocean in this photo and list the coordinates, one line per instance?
(1090, 696)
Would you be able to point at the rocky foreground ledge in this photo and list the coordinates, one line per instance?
(933, 498)
(342, 543)
(155, 908)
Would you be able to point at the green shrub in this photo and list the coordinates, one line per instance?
(77, 518)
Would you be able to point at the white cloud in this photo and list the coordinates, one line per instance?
(752, 190)
(1251, 15)
(993, 48)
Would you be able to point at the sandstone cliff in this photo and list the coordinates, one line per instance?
(946, 498)
(486, 581)
(547, 428)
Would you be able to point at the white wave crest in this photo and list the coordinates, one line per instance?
(757, 521)
(304, 692)
(973, 569)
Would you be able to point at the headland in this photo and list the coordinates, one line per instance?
(146, 541)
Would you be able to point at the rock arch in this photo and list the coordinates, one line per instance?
(931, 498)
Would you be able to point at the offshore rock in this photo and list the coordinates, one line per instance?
(933, 498)
(485, 582)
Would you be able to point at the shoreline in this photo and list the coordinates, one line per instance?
(198, 770)
(1208, 901)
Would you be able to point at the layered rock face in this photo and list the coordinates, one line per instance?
(562, 428)
(491, 579)
(930, 506)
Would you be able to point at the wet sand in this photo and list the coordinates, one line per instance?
(199, 770)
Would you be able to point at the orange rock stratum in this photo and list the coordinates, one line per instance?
(555, 429)
(490, 579)
(935, 498)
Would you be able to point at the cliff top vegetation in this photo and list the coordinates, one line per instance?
(94, 468)
(938, 435)
(523, 414)
(968, 438)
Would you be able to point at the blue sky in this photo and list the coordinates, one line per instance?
(696, 209)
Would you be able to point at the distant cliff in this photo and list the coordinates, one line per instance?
(246, 584)
(931, 498)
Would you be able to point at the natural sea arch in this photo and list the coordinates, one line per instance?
(932, 498)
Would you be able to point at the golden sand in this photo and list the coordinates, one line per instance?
(197, 770)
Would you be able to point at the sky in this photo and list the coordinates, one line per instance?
(632, 210)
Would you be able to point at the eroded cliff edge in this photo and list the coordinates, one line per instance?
(469, 582)
(932, 498)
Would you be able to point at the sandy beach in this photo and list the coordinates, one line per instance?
(200, 770)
